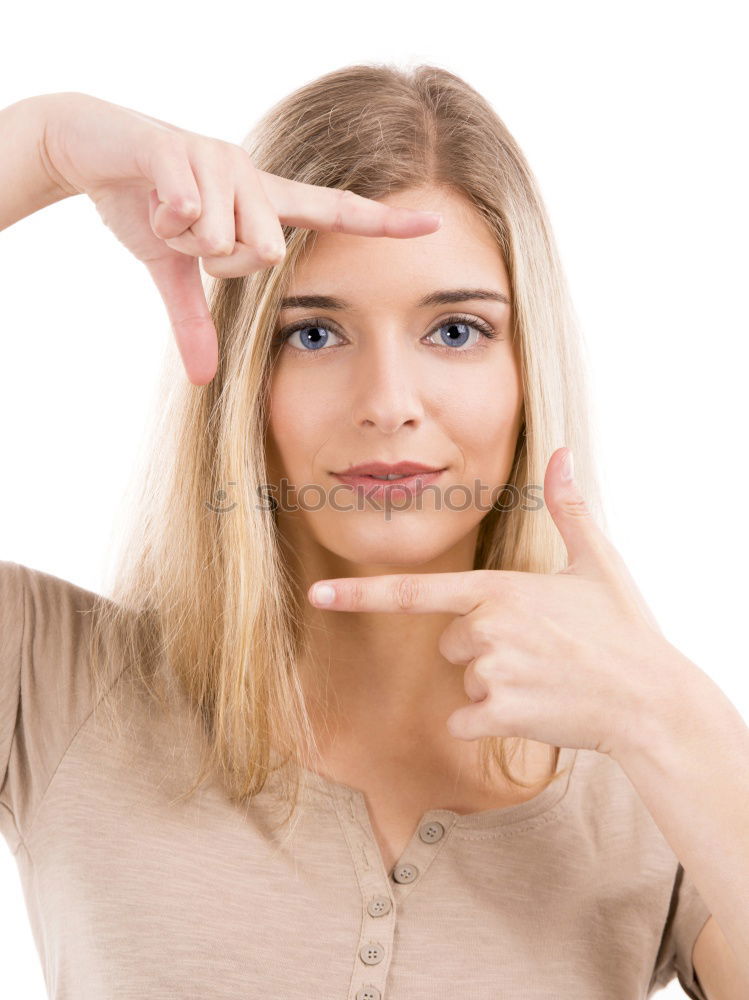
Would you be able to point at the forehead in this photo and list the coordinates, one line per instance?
(367, 270)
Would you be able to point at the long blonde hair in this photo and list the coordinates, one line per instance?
(201, 592)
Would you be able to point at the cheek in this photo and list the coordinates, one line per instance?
(486, 415)
(299, 421)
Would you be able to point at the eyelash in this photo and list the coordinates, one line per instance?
(488, 332)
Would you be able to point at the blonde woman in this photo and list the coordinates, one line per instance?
(481, 767)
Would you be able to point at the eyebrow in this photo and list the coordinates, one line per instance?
(443, 297)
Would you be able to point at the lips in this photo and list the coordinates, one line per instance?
(364, 485)
(405, 468)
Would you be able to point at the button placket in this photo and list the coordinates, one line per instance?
(419, 853)
(376, 939)
(372, 960)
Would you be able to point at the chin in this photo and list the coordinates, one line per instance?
(397, 542)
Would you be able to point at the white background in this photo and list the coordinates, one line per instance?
(633, 118)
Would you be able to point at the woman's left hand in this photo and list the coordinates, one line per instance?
(571, 659)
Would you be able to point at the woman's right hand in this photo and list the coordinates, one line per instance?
(172, 196)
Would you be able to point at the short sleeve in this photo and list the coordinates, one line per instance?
(687, 915)
(45, 687)
(11, 636)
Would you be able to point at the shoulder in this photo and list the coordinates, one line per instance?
(47, 687)
(45, 591)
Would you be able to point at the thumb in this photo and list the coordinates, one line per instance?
(587, 547)
(589, 551)
(177, 277)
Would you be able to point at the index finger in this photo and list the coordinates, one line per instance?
(177, 279)
(409, 593)
(338, 210)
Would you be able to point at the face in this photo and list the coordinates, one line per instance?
(389, 378)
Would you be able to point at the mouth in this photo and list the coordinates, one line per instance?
(384, 470)
(380, 487)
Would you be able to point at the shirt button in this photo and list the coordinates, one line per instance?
(378, 906)
(368, 993)
(372, 954)
(431, 831)
(405, 873)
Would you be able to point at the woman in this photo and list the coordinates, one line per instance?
(416, 861)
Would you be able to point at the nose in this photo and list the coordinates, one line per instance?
(387, 390)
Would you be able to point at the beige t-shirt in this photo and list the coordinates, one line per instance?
(574, 894)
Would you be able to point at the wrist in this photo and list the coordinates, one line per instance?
(52, 111)
(26, 184)
(687, 706)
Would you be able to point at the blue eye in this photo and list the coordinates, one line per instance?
(458, 326)
(315, 341)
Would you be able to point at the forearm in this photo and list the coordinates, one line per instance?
(692, 773)
(27, 181)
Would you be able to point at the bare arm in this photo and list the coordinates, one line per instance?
(27, 181)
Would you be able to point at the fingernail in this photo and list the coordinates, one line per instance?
(323, 593)
(568, 466)
(434, 217)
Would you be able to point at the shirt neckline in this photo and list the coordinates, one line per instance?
(318, 784)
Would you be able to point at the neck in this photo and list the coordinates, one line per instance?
(377, 672)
